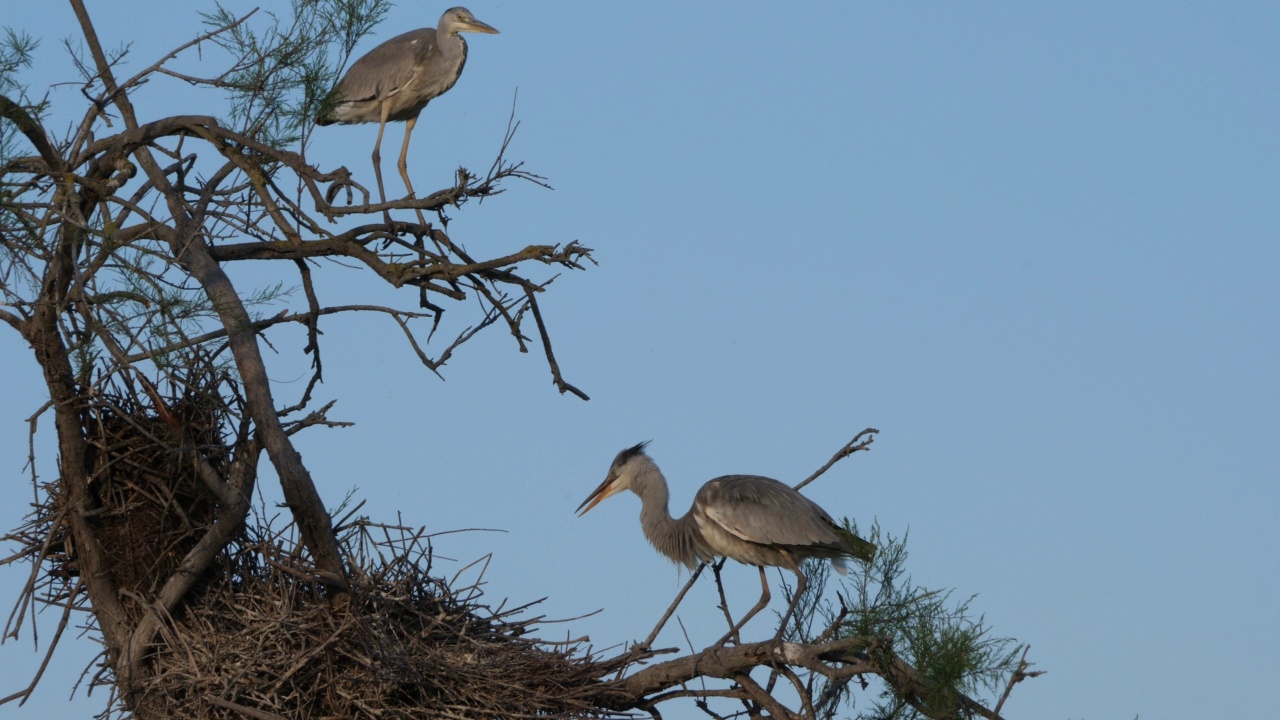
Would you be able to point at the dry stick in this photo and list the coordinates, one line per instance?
(724, 603)
(688, 641)
(1018, 676)
(313, 340)
(318, 417)
(25, 693)
(259, 325)
(674, 604)
(26, 597)
(764, 699)
(246, 711)
(850, 448)
(806, 695)
(556, 377)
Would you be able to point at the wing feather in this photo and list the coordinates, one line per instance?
(762, 510)
(388, 68)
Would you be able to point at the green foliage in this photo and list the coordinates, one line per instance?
(284, 72)
(952, 649)
(15, 55)
(15, 226)
(16, 50)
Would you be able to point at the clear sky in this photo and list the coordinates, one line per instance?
(1037, 247)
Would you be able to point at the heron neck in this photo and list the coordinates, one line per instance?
(452, 46)
(676, 538)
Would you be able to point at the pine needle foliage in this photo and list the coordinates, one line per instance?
(288, 66)
(951, 647)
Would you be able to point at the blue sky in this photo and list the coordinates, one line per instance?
(1037, 247)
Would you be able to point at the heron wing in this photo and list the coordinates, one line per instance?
(388, 68)
(762, 510)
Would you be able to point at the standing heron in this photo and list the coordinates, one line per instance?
(752, 519)
(395, 81)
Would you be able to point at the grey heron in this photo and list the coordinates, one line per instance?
(752, 519)
(394, 81)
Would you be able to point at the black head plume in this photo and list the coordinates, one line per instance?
(629, 453)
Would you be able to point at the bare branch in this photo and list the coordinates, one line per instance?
(653, 635)
(1017, 676)
(851, 447)
(33, 131)
(556, 377)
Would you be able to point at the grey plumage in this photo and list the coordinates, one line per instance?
(750, 518)
(395, 81)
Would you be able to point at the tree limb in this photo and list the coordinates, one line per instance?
(33, 131)
(851, 447)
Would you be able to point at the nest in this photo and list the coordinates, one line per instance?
(147, 504)
(263, 642)
(152, 506)
(259, 635)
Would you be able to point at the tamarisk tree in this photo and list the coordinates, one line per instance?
(115, 242)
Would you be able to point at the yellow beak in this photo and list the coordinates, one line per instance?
(476, 26)
(606, 489)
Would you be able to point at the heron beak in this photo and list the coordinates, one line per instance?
(474, 25)
(606, 489)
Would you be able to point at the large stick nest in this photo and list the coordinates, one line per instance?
(259, 635)
(147, 504)
(152, 505)
(263, 641)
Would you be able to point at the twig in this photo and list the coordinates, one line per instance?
(850, 448)
(556, 377)
(1018, 676)
(724, 601)
(247, 711)
(674, 604)
(762, 698)
(25, 693)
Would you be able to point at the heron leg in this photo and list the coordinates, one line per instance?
(404, 166)
(764, 602)
(377, 159)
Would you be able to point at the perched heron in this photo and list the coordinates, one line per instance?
(752, 519)
(395, 81)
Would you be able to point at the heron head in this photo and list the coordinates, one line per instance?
(460, 19)
(621, 473)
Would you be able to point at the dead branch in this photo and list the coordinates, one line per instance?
(851, 447)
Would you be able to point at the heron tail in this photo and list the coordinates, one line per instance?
(327, 115)
(856, 546)
(328, 112)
